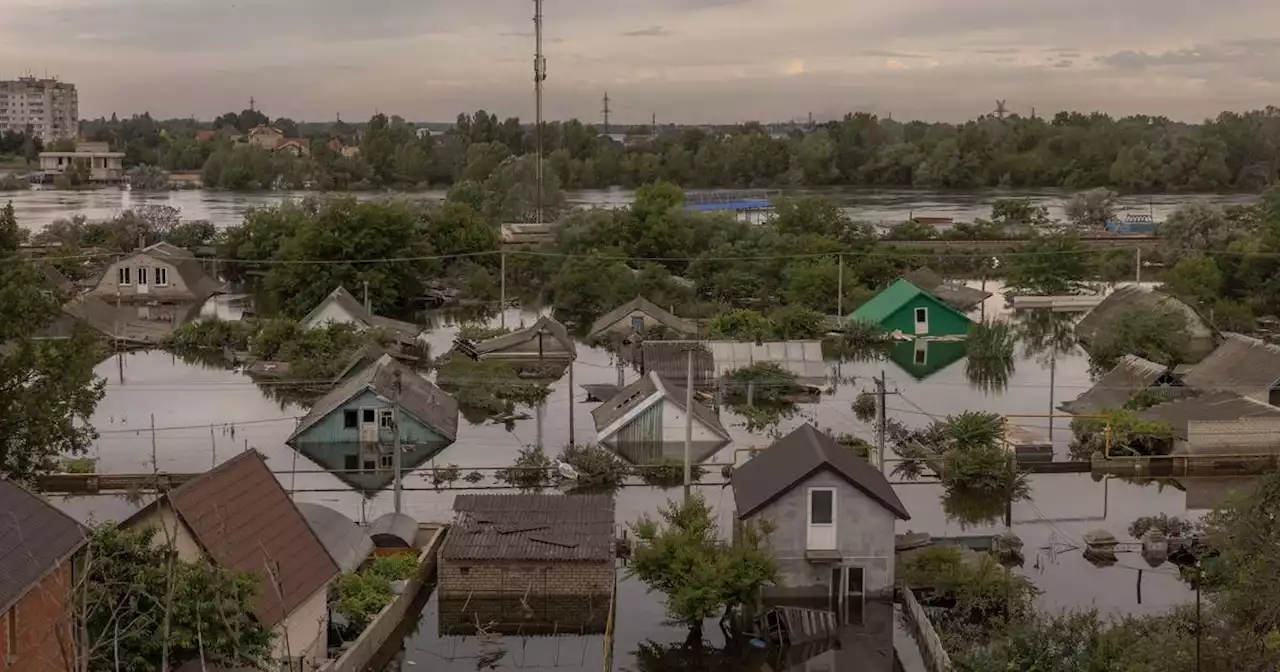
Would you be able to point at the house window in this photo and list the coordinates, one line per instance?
(637, 323)
(845, 596)
(367, 416)
(922, 315)
(370, 465)
(124, 275)
(386, 461)
(142, 275)
(384, 418)
(11, 633)
(162, 276)
(349, 419)
(350, 462)
(822, 519)
(921, 353)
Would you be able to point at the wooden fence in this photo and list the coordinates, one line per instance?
(935, 656)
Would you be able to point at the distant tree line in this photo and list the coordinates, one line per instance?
(1234, 151)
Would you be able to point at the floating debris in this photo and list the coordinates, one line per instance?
(1100, 548)
(1155, 547)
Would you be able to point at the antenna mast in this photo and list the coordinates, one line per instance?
(539, 75)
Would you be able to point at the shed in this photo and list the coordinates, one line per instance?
(955, 294)
(834, 515)
(544, 340)
(905, 308)
(713, 359)
(393, 530)
(645, 422)
(1209, 406)
(638, 316)
(1130, 376)
(341, 306)
(1203, 336)
(532, 545)
(1242, 365)
(347, 543)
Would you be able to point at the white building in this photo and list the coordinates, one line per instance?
(49, 107)
(99, 164)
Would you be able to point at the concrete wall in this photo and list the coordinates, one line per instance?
(175, 288)
(864, 536)
(1234, 437)
(307, 629)
(481, 579)
(41, 622)
(163, 519)
(332, 312)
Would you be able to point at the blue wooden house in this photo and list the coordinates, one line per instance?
(352, 429)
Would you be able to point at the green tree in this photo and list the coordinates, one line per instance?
(1158, 334)
(1195, 278)
(1048, 266)
(511, 192)
(741, 325)
(148, 178)
(1198, 226)
(1092, 209)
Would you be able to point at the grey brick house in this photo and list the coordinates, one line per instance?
(834, 515)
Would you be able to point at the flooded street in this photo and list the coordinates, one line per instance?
(36, 209)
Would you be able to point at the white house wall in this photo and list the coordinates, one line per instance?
(673, 418)
(307, 628)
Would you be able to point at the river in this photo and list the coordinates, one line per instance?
(37, 208)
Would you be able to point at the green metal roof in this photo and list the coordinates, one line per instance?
(883, 305)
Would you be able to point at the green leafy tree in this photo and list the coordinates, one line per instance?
(741, 325)
(1195, 278)
(1049, 265)
(511, 192)
(1198, 226)
(1158, 334)
(1092, 209)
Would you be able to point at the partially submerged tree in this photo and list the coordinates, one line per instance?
(1092, 209)
(1158, 334)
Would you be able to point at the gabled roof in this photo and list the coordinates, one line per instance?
(1242, 365)
(353, 307)
(35, 538)
(1211, 406)
(956, 295)
(418, 397)
(545, 325)
(531, 528)
(1130, 376)
(1126, 297)
(167, 249)
(57, 279)
(882, 306)
(634, 398)
(243, 520)
(199, 283)
(791, 460)
(648, 308)
(714, 359)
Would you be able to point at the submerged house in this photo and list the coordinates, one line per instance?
(38, 551)
(638, 316)
(904, 307)
(645, 422)
(239, 517)
(352, 429)
(537, 546)
(160, 273)
(1223, 406)
(343, 308)
(712, 360)
(923, 357)
(1131, 375)
(1243, 365)
(1204, 338)
(955, 294)
(834, 515)
(543, 341)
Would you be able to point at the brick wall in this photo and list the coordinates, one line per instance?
(42, 627)
(492, 578)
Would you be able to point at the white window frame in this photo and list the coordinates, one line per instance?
(162, 277)
(143, 275)
(809, 516)
(916, 315)
(921, 353)
(124, 275)
(385, 418)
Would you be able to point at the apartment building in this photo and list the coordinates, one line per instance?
(50, 107)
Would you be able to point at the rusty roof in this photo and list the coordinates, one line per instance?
(531, 527)
(35, 538)
(791, 460)
(1242, 365)
(243, 519)
(1130, 376)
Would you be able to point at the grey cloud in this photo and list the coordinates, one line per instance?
(1063, 50)
(1001, 51)
(1199, 55)
(1064, 63)
(887, 53)
(651, 31)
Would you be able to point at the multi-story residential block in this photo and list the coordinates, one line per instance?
(50, 108)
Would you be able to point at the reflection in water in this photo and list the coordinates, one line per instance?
(970, 508)
(990, 349)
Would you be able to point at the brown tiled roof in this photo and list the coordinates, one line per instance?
(649, 308)
(1242, 365)
(35, 538)
(791, 460)
(244, 520)
(531, 527)
(1130, 376)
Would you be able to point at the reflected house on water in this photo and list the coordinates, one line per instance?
(352, 430)
(545, 343)
(922, 357)
(712, 360)
(645, 423)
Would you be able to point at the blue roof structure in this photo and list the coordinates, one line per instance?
(740, 205)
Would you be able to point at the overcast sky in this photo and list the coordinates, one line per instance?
(693, 61)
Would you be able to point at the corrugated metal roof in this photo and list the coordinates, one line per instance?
(677, 324)
(1203, 335)
(638, 392)
(1242, 365)
(795, 457)
(1129, 377)
(1207, 406)
(347, 543)
(956, 295)
(35, 537)
(531, 527)
(244, 520)
(546, 325)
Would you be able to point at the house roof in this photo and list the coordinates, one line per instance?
(1129, 377)
(791, 460)
(393, 530)
(882, 306)
(647, 307)
(1126, 297)
(243, 519)
(35, 538)
(418, 397)
(124, 323)
(649, 388)
(353, 307)
(347, 543)
(545, 325)
(200, 284)
(714, 359)
(531, 527)
(57, 279)
(956, 295)
(1241, 364)
(167, 249)
(1208, 406)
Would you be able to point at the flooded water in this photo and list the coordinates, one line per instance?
(35, 209)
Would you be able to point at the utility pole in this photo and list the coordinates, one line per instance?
(1137, 264)
(839, 286)
(502, 296)
(1053, 374)
(367, 309)
(881, 422)
(539, 76)
(653, 125)
(606, 113)
(395, 439)
(571, 404)
(688, 422)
